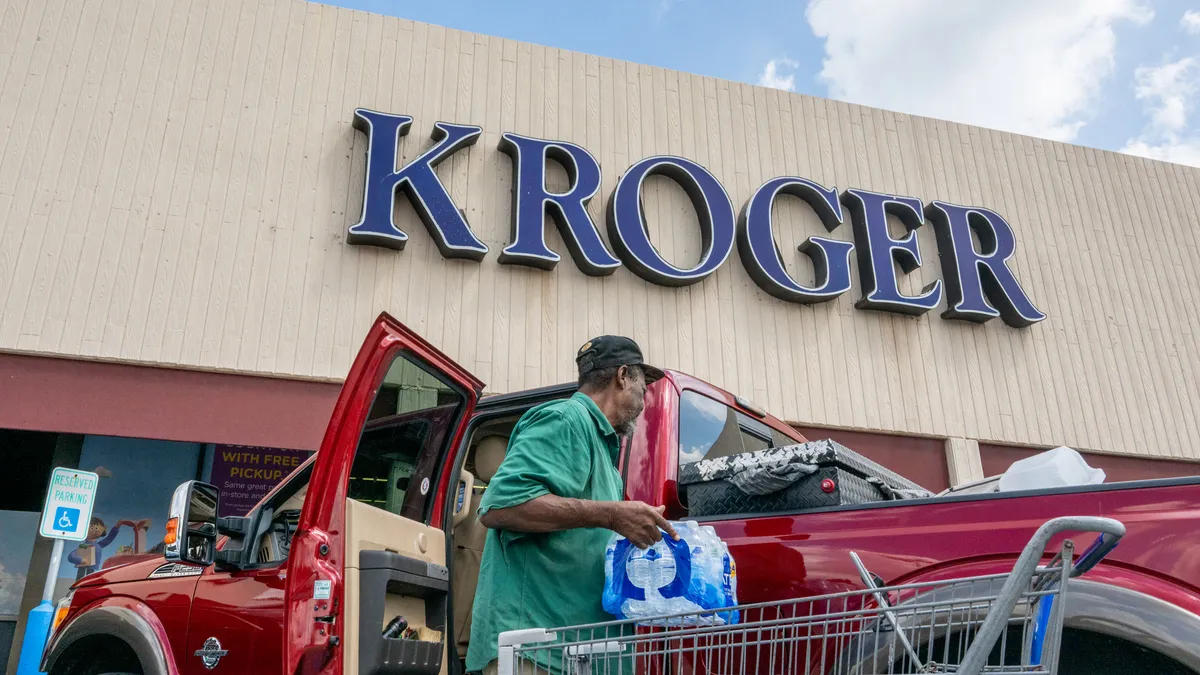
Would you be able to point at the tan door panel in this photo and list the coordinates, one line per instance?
(373, 529)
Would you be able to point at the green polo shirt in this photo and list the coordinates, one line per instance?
(565, 448)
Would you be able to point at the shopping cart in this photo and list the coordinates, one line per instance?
(1002, 623)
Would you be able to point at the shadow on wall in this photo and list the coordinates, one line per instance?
(922, 460)
(997, 458)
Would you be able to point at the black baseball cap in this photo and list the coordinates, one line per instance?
(607, 351)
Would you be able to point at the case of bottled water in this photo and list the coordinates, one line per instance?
(694, 574)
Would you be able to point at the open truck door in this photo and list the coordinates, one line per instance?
(370, 544)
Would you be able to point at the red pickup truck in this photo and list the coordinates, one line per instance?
(380, 523)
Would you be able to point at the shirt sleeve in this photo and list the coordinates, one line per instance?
(547, 456)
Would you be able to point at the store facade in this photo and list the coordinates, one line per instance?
(204, 204)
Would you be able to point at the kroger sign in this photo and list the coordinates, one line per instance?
(978, 285)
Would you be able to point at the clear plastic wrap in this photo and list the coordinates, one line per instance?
(694, 574)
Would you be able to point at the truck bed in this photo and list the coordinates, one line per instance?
(784, 555)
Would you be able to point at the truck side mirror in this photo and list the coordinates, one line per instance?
(192, 524)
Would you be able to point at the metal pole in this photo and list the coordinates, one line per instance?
(52, 573)
(37, 625)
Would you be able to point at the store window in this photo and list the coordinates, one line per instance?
(709, 429)
(245, 474)
(407, 427)
(137, 478)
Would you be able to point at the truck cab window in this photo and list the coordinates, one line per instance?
(401, 443)
(710, 429)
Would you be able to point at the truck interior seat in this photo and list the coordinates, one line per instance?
(469, 537)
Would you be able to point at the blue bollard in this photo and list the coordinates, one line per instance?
(37, 630)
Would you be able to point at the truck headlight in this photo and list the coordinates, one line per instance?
(60, 612)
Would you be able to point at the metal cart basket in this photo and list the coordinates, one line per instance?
(1003, 623)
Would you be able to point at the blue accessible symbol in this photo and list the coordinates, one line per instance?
(65, 518)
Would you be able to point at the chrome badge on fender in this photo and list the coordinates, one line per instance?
(173, 570)
(211, 653)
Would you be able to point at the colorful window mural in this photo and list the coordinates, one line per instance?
(137, 478)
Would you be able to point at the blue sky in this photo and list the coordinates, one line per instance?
(1113, 74)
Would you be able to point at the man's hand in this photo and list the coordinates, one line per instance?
(640, 523)
(636, 521)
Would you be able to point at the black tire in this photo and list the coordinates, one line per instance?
(98, 655)
(100, 669)
(1082, 653)
(1087, 653)
(104, 669)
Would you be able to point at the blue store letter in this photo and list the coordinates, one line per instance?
(627, 224)
(878, 250)
(762, 259)
(970, 275)
(531, 201)
(446, 224)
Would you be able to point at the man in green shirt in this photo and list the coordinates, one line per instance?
(555, 501)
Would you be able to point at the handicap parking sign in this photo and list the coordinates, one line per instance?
(66, 518)
(69, 501)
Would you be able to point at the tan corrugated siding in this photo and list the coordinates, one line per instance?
(176, 180)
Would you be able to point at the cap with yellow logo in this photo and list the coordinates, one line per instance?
(607, 351)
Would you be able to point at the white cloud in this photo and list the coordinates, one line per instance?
(1191, 22)
(1028, 66)
(771, 77)
(1170, 93)
(1180, 151)
(664, 6)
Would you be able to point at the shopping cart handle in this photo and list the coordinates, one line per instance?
(1101, 547)
(514, 638)
(1006, 599)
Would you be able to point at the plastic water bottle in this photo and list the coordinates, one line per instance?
(650, 570)
(729, 585)
(611, 599)
(705, 558)
(716, 571)
(702, 591)
(699, 554)
(671, 577)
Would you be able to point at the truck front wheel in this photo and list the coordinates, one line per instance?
(98, 655)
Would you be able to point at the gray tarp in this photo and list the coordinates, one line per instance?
(771, 477)
(767, 471)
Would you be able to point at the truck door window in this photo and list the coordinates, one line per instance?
(710, 429)
(282, 514)
(405, 432)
